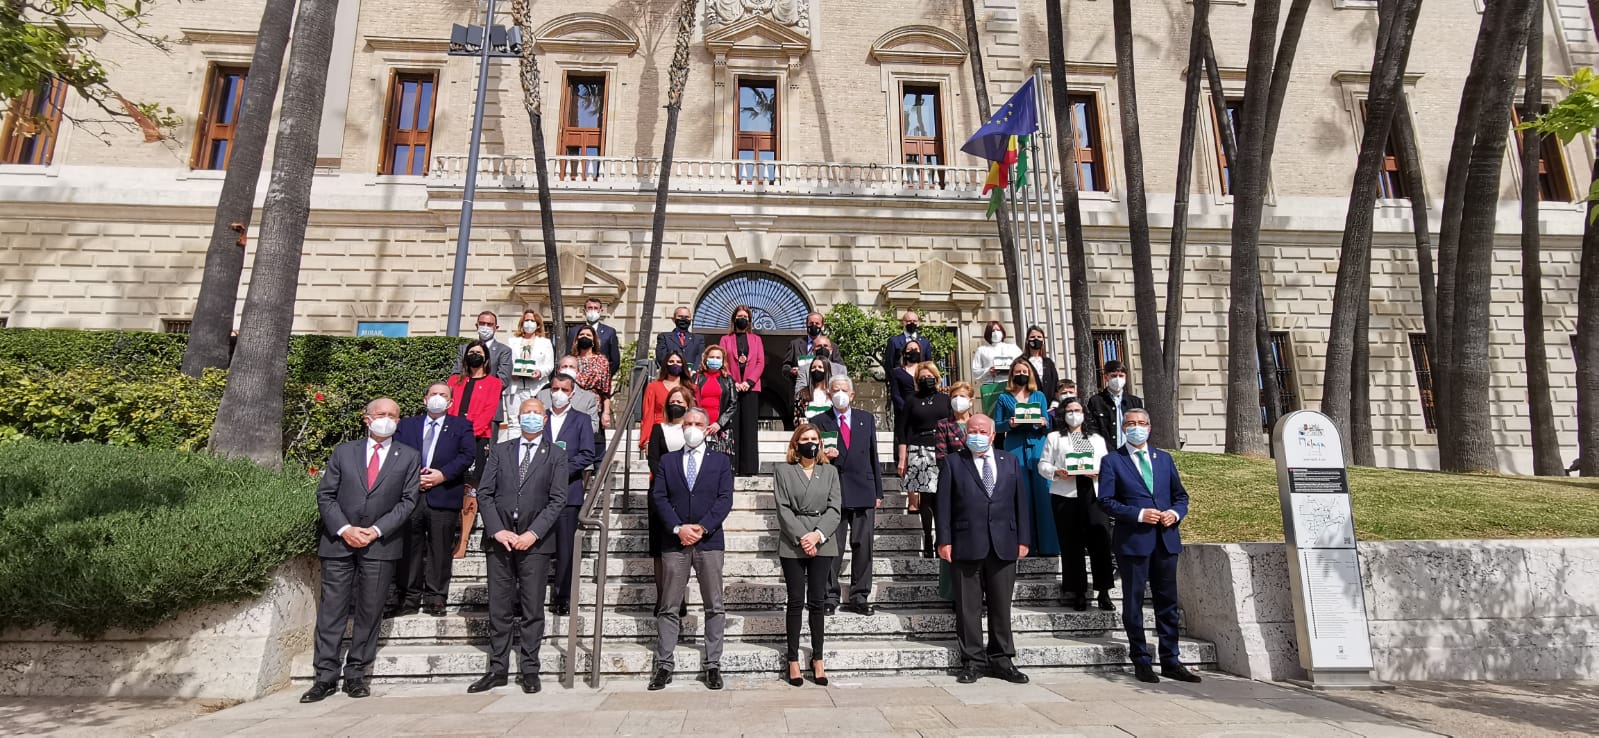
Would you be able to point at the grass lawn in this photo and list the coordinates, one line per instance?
(1235, 499)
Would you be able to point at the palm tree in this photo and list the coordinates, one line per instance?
(1545, 445)
(212, 324)
(249, 419)
(533, 101)
(1199, 33)
(1076, 253)
(1007, 240)
(1410, 165)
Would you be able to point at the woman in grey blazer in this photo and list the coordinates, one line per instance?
(808, 498)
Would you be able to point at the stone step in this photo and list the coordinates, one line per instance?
(636, 543)
(401, 663)
(640, 482)
(764, 595)
(766, 566)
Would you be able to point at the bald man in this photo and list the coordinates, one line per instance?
(368, 490)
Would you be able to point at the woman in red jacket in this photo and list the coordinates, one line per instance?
(475, 395)
(747, 362)
(674, 374)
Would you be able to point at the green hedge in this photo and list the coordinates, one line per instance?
(94, 537)
(162, 410)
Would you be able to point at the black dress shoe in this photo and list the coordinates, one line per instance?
(713, 679)
(1145, 673)
(1010, 674)
(1180, 673)
(864, 609)
(563, 609)
(436, 610)
(488, 682)
(832, 610)
(1104, 601)
(319, 691)
(968, 674)
(1074, 600)
(357, 688)
(530, 683)
(662, 678)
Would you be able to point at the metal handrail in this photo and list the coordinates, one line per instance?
(599, 496)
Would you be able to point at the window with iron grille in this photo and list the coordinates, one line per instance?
(1287, 396)
(1108, 345)
(175, 326)
(1421, 358)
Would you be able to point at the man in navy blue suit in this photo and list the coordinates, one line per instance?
(447, 449)
(604, 335)
(985, 525)
(693, 495)
(896, 345)
(861, 478)
(1139, 488)
(679, 339)
(574, 433)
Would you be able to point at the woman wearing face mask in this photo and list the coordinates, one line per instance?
(991, 361)
(1071, 463)
(476, 397)
(1043, 366)
(594, 375)
(666, 437)
(718, 397)
(532, 360)
(916, 434)
(808, 497)
(813, 398)
(1026, 439)
(902, 385)
(674, 373)
(746, 362)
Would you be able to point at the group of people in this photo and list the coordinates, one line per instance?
(513, 432)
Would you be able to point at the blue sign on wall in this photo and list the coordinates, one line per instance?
(398, 329)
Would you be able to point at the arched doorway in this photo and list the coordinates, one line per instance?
(780, 310)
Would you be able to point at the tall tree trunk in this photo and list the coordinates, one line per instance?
(1176, 267)
(1588, 324)
(1545, 444)
(1076, 252)
(533, 101)
(212, 325)
(1471, 440)
(1410, 166)
(677, 77)
(1007, 238)
(249, 419)
(1363, 450)
(1157, 390)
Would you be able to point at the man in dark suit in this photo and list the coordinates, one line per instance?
(679, 339)
(693, 494)
(1139, 488)
(447, 450)
(521, 496)
(1104, 412)
(985, 525)
(798, 351)
(861, 477)
(608, 345)
(896, 344)
(365, 498)
(499, 356)
(573, 433)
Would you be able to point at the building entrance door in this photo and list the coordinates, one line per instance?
(779, 310)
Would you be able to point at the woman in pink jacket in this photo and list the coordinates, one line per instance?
(747, 360)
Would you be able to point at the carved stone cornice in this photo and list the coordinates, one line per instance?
(586, 33)
(414, 45)
(928, 45)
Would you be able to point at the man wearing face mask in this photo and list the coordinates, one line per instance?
(798, 356)
(679, 339)
(1107, 408)
(861, 477)
(368, 490)
(1139, 487)
(522, 494)
(582, 400)
(606, 343)
(499, 358)
(911, 323)
(448, 449)
(822, 348)
(573, 432)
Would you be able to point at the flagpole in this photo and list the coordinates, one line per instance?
(1018, 227)
(1026, 214)
(1062, 314)
(1045, 319)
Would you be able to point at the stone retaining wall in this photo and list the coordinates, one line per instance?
(1438, 610)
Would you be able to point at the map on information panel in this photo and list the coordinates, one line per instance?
(1323, 521)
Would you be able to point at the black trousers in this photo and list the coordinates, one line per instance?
(1083, 531)
(926, 509)
(856, 525)
(1159, 571)
(352, 586)
(994, 580)
(518, 581)
(746, 435)
(807, 591)
(429, 557)
(474, 473)
(565, 537)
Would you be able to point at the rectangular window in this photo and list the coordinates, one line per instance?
(175, 326)
(33, 123)
(1108, 345)
(922, 141)
(1391, 184)
(757, 129)
(1287, 398)
(408, 124)
(1088, 143)
(1422, 360)
(1553, 184)
(1234, 109)
(582, 125)
(219, 115)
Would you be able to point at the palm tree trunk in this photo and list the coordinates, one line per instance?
(209, 331)
(1176, 267)
(1007, 239)
(1410, 164)
(1471, 440)
(1076, 252)
(1545, 444)
(533, 100)
(1157, 394)
(1588, 341)
(1364, 453)
(678, 79)
(249, 419)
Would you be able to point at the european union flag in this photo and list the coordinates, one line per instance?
(1017, 117)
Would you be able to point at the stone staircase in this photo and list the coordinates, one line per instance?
(913, 630)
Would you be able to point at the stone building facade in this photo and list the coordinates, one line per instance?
(858, 109)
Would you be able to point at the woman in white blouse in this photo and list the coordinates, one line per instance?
(991, 361)
(1071, 463)
(532, 360)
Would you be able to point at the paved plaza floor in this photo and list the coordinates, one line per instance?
(1054, 704)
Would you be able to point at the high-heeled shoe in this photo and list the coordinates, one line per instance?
(788, 676)
(1104, 601)
(816, 668)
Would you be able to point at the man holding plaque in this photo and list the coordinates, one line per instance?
(849, 439)
(1139, 488)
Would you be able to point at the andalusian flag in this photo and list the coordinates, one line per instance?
(1003, 141)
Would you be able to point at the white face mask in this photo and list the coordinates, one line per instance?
(382, 427)
(593, 316)
(693, 436)
(841, 400)
(529, 326)
(960, 403)
(996, 337)
(1116, 384)
(1074, 420)
(438, 404)
(561, 398)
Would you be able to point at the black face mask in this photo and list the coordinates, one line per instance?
(675, 413)
(1020, 380)
(818, 375)
(823, 353)
(1035, 343)
(926, 384)
(682, 323)
(813, 330)
(741, 323)
(911, 328)
(808, 450)
(674, 369)
(585, 343)
(913, 358)
(475, 360)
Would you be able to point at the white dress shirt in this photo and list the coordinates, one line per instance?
(557, 419)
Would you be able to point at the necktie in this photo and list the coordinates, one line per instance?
(1143, 468)
(433, 428)
(988, 476)
(693, 468)
(527, 461)
(681, 339)
(843, 429)
(373, 465)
